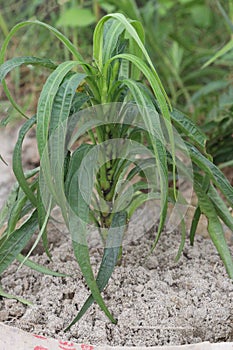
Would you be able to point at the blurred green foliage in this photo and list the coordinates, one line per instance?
(181, 35)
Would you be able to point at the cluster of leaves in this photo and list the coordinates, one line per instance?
(179, 46)
(121, 71)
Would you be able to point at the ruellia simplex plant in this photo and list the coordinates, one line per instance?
(109, 142)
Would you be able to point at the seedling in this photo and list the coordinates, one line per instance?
(109, 142)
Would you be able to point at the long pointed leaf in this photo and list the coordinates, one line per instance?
(220, 206)
(78, 219)
(18, 239)
(220, 53)
(189, 128)
(109, 260)
(35, 243)
(45, 103)
(17, 160)
(9, 65)
(11, 296)
(212, 170)
(214, 228)
(39, 268)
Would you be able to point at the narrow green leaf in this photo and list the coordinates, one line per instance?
(17, 240)
(10, 296)
(220, 53)
(13, 197)
(134, 48)
(65, 41)
(214, 228)
(186, 125)
(42, 221)
(212, 170)
(109, 260)
(195, 220)
(39, 268)
(78, 219)
(9, 65)
(15, 212)
(111, 39)
(45, 103)
(155, 84)
(82, 255)
(35, 243)
(182, 243)
(52, 165)
(63, 101)
(152, 125)
(6, 209)
(220, 207)
(130, 29)
(17, 160)
(58, 34)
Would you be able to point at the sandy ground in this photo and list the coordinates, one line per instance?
(155, 300)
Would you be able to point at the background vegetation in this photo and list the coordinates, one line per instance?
(181, 35)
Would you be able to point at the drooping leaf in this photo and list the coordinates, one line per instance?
(151, 123)
(213, 172)
(79, 217)
(65, 41)
(17, 160)
(109, 260)
(214, 228)
(98, 46)
(220, 207)
(39, 268)
(9, 65)
(189, 128)
(11, 296)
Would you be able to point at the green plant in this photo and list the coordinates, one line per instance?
(178, 46)
(26, 79)
(176, 43)
(120, 105)
(219, 119)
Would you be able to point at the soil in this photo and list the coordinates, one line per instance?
(156, 301)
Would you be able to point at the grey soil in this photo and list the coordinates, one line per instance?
(155, 300)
